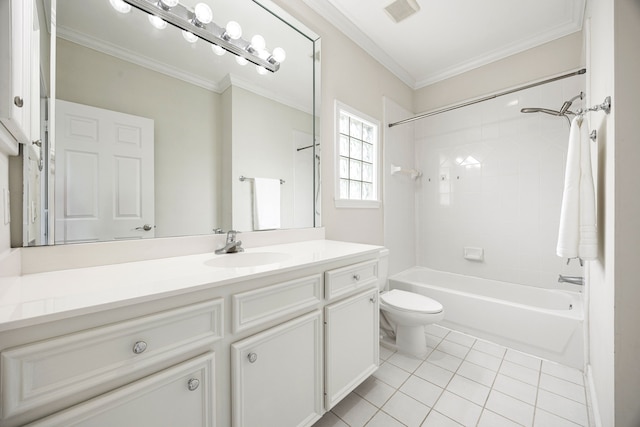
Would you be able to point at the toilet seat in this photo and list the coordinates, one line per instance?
(409, 301)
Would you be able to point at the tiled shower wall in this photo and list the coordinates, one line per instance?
(493, 179)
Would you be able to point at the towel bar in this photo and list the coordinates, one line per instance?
(246, 178)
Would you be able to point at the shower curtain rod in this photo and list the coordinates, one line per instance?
(487, 98)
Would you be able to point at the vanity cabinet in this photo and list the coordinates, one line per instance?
(277, 348)
(51, 375)
(178, 396)
(19, 71)
(277, 375)
(351, 344)
(290, 374)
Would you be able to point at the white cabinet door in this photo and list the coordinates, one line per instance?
(277, 375)
(178, 396)
(16, 35)
(351, 344)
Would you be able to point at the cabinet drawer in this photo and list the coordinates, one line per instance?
(272, 302)
(72, 368)
(178, 396)
(344, 280)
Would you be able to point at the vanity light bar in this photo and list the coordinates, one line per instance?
(184, 18)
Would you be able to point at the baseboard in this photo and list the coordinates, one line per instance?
(592, 403)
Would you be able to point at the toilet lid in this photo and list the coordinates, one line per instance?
(410, 301)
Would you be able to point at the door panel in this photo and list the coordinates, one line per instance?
(105, 173)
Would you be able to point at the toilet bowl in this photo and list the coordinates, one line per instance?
(403, 315)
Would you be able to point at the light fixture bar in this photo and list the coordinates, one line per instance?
(183, 18)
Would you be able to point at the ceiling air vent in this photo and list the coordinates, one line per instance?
(402, 9)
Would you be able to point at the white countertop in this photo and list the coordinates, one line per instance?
(38, 298)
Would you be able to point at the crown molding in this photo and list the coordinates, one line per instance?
(496, 55)
(234, 81)
(135, 58)
(177, 73)
(338, 18)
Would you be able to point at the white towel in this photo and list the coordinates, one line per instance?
(577, 236)
(266, 204)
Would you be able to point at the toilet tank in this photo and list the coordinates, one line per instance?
(383, 268)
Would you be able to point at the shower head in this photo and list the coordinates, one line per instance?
(541, 110)
(565, 107)
(564, 110)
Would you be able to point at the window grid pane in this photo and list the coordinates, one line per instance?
(356, 159)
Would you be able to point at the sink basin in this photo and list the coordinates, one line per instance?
(247, 259)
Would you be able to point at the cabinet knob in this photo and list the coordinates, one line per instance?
(139, 347)
(372, 299)
(252, 357)
(356, 277)
(193, 384)
(18, 101)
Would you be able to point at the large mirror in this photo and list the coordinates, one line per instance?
(157, 136)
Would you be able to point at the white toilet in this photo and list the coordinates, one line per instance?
(404, 315)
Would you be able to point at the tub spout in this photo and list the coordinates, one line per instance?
(576, 280)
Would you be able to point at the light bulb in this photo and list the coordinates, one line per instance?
(264, 54)
(168, 4)
(120, 6)
(241, 61)
(261, 70)
(233, 30)
(218, 50)
(157, 22)
(190, 37)
(279, 54)
(258, 43)
(203, 13)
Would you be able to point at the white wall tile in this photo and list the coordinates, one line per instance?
(516, 191)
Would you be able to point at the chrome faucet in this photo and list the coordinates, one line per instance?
(232, 246)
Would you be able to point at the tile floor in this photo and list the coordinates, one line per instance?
(464, 381)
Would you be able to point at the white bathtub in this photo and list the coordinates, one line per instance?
(547, 323)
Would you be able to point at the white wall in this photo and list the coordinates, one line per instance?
(558, 56)
(613, 44)
(188, 132)
(5, 233)
(493, 179)
(601, 284)
(399, 189)
(264, 146)
(354, 78)
(627, 211)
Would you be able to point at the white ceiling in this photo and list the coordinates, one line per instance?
(449, 37)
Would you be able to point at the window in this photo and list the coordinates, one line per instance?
(356, 158)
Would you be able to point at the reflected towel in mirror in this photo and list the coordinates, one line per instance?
(266, 203)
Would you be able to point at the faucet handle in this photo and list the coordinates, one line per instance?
(231, 236)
